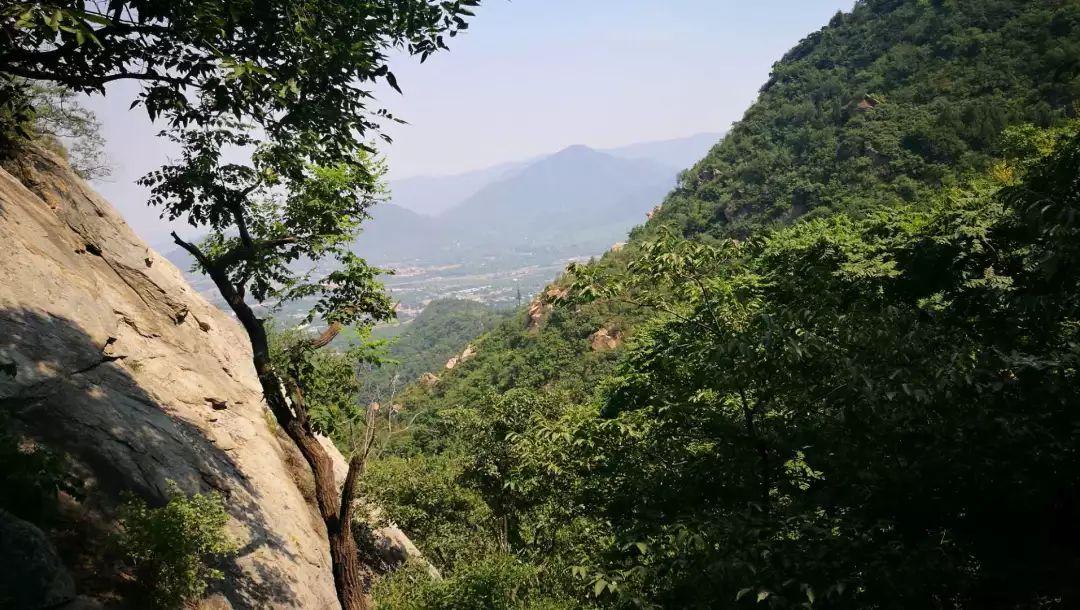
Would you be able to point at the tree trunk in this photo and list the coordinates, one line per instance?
(765, 481)
(347, 580)
(343, 554)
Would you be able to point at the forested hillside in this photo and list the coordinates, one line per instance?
(1015, 63)
(884, 105)
(837, 369)
(427, 343)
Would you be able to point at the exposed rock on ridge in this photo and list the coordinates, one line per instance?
(110, 356)
(605, 339)
(465, 356)
(543, 304)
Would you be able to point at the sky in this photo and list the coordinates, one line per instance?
(531, 77)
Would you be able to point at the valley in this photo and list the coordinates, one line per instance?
(491, 234)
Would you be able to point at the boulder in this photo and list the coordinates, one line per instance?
(605, 339)
(428, 380)
(465, 356)
(543, 304)
(32, 576)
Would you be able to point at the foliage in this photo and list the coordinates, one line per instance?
(421, 495)
(172, 548)
(556, 360)
(885, 105)
(497, 582)
(833, 414)
(439, 333)
(330, 380)
(294, 67)
(491, 464)
(51, 115)
(951, 73)
(844, 449)
(32, 476)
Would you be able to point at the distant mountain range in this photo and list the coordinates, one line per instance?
(575, 202)
(490, 233)
(433, 195)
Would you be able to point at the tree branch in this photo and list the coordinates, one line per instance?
(238, 215)
(92, 83)
(233, 296)
(235, 255)
(296, 396)
(357, 465)
(194, 251)
(762, 451)
(326, 337)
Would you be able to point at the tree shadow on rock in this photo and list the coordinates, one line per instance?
(60, 388)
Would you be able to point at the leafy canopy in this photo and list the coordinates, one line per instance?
(299, 69)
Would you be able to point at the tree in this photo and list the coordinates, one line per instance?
(314, 217)
(285, 81)
(296, 68)
(57, 114)
(51, 115)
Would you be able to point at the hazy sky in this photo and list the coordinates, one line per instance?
(534, 76)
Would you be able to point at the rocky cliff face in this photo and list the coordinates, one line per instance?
(108, 355)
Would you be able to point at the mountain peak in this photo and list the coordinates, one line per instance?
(576, 150)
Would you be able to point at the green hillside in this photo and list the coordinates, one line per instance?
(884, 105)
(753, 172)
(439, 333)
(864, 400)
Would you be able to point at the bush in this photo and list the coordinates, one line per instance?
(171, 548)
(31, 476)
(495, 582)
(451, 523)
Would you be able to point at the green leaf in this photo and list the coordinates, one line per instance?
(390, 78)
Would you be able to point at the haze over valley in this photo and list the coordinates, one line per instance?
(493, 234)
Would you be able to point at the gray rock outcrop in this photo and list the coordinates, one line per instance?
(108, 355)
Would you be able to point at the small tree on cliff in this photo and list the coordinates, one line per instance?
(286, 83)
(311, 221)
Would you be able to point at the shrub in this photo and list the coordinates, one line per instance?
(422, 496)
(494, 582)
(31, 476)
(171, 548)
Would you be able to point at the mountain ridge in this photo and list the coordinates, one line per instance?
(434, 194)
(577, 201)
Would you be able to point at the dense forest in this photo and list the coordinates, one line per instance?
(842, 366)
(426, 344)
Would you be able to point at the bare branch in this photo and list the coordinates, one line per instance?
(357, 466)
(194, 251)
